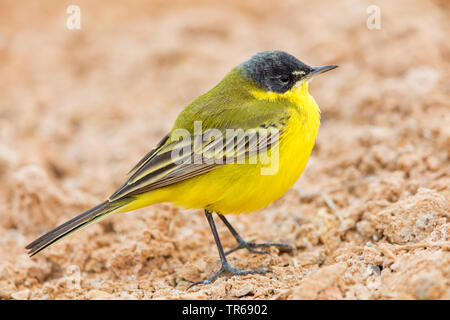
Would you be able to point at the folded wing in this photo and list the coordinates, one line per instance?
(174, 161)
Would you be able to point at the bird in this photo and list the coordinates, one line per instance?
(235, 149)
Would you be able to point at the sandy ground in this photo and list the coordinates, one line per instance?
(369, 217)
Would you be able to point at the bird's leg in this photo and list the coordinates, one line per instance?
(250, 246)
(225, 265)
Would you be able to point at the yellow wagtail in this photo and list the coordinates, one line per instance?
(236, 148)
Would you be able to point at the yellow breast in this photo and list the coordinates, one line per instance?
(246, 189)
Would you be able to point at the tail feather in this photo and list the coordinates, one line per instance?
(79, 222)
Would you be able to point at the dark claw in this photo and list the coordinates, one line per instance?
(250, 246)
(229, 269)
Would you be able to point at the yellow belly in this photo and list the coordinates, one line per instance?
(239, 188)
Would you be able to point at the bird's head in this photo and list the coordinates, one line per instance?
(279, 72)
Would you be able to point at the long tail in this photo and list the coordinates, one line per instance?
(81, 221)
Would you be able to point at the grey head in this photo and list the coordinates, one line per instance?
(278, 71)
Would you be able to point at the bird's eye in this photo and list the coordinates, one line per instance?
(284, 78)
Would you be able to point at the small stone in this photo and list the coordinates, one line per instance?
(433, 163)
(429, 286)
(99, 295)
(21, 295)
(243, 290)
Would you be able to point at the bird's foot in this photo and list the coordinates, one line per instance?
(250, 246)
(227, 268)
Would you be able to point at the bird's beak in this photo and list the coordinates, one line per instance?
(319, 70)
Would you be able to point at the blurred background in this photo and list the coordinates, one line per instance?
(79, 107)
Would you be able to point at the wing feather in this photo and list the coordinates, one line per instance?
(149, 155)
(172, 162)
